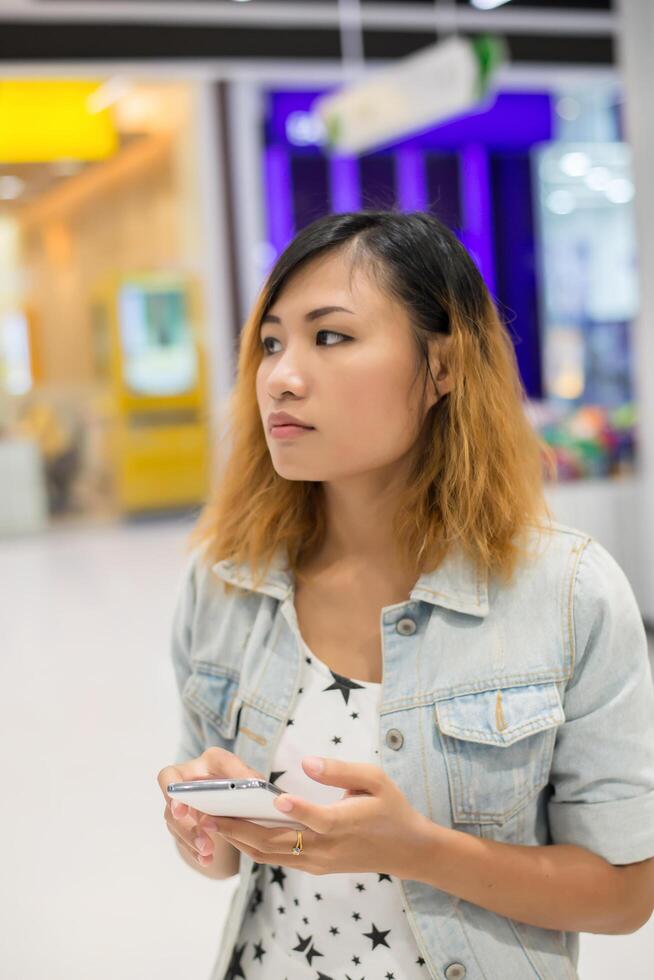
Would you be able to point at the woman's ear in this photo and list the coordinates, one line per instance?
(442, 376)
(444, 381)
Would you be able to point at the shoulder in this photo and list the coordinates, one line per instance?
(593, 575)
(597, 597)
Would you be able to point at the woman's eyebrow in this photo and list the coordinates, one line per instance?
(312, 315)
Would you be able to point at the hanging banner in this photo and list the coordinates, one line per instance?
(426, 88)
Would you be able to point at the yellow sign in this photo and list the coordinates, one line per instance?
(51, 120)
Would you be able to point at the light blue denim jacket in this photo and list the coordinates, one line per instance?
(522, 713)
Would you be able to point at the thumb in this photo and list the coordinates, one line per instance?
(360, 776)
(219, 763)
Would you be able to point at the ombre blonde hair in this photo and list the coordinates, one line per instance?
(477, 466)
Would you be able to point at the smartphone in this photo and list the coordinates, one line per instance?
(247, 799)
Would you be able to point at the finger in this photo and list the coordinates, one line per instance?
(174, 774)
(214, 763)
(319, 818)
(200, 858)
(187, 824)
(350, 775)
(267, 840)
(198, 845)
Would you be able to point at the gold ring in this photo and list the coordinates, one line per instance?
(298, 843)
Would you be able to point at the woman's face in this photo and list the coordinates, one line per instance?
(347, 372)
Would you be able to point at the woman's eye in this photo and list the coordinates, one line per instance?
(330, 333)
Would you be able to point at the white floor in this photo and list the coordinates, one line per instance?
(92, 885)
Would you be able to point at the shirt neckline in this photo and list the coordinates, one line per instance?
(326, 671)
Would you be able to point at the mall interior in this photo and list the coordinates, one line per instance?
(155, 160)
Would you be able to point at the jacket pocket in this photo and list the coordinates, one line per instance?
(498, 748)
(216, 700)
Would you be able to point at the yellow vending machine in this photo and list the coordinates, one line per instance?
(150, 360)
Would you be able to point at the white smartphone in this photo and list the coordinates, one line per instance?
(247, 799)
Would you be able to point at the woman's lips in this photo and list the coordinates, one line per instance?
(288, 431)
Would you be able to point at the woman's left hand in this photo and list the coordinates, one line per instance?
(373, 827)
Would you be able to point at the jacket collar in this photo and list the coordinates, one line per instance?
(455, 584)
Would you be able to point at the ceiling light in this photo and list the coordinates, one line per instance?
(568, 108)
(487, 4)
(620, 190)
(575, 164)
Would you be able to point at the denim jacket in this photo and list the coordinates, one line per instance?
(522, 713)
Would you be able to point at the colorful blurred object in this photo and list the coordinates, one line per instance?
(591, 442)
(53, 120)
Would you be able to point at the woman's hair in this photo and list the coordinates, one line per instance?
(476, 475)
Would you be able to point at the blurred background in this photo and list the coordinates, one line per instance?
(155, 158)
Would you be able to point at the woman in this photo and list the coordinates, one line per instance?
(385, 590)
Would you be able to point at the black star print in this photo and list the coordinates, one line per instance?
(234, 969)
(360, 887)
(378, 938)
(334, 930)
(382, 875)
(274, 776)
(278, 875)
(354, 714)
(342, 684)
(281, 909)
(300, 689)
(259, 951)
(355, 915)
(318, 897)
(302, 943)
(390, 976)
(296, 901)
(313, 952)
(420, 961)
(305, 920)
(290, 722)
(336, 740)
(356, 960)
(257, 898)
(323, 976)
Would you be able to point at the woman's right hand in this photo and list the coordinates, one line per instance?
(184, 822)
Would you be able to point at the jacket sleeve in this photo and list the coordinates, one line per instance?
(602, 770)
(191, 740)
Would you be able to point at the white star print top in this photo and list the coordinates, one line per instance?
(301, 926)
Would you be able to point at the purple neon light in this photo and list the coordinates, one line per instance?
(344, 185)
(477, 209)
(281, 224)
(411, 179)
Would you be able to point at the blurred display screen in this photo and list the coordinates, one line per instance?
(587, 246)
(15, 364)
(159, 355)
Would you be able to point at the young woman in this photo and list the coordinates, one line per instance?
(384, 589)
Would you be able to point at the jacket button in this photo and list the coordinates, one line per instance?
(455, 971)
(406, 627)
(394, 738)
